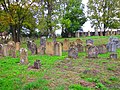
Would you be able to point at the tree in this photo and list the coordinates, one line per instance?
(103, 13)
(15, 14)
(73, 16)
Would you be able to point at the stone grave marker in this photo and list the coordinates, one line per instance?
(5, 50)
(66, 44)
(17, 45)
(113, 56)
(111, 47)
(37, 64)
(58, 49)
(73, 53)
(23, 56)
(79, 41)
(92, 52)
(102, 49)
(49, 48)
(41, 50)
(80, 47)
(43, 41)
(1, 49)
(89, 42)
(101, 34)
(89, 33)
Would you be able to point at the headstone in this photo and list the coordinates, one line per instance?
(73, 53)
(41, 50)
(111, 47)
(80, 47)
(12, 49)
(23, 56)
(5, 50)
(72, 44)
(79, 41)
(101, 34)
(17, 45)
(113, 56)
(66, 44)
(102, 49)
(1, 49)
(89, 42)
(96, 32)
(49, 48)
(58, 49)
(89, 33)
(37, 64)
(92, 52)
(77, 34)
(43, 41)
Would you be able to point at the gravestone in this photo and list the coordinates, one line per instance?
(43, 41)
(49, 48)
(17, 45)
(89, 33)
(96, 32)
(80, 47)
(101, 34)
(5, 50)
(73, 53)
(37, 64)
(92, 52)
(66, 44)
(79, 41)
(1, 49)
(89, 42)
(113, 56)
(32, 47)
(102, 49)
(23, 56)
(111, 47)
(12, 49)
(58, 49)
(72, 44)
(41, 50)
(77, 34)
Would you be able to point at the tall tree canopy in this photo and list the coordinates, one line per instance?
(104, 13)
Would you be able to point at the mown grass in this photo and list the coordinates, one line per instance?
(59, 73)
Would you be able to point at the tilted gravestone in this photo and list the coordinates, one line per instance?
(73, 53)
(58, 49)
(113, 56)
(66, 44)
(89, 42)
(5, 50)
(49, 48)
(43, 41)
(37, 64)
(12, 49)
(41, 50)
(23, 56)
(102, 49)
(1, 49)
(17, 45)
(92, 52)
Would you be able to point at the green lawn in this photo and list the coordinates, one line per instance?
(61, 73)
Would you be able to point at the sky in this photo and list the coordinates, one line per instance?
(86, 26)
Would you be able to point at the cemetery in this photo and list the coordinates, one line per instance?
(59, 44)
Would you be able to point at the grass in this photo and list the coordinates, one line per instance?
(59, 73)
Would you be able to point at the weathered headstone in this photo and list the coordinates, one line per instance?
(49, 48)
(12, 49)
(73, 53)
(66, 44)
(5, 50)
(89, 33)
(37, 64)
(17, 45)
(77, 34)
(89, 42)
(58, 49)
(102, 49)
(23, 56)
(96, 32)
(79, 41)
(1, 49)
(80, 47)
(111, 47)
(92, 52)
(113, 56)
(41, 50)
(43, 41)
